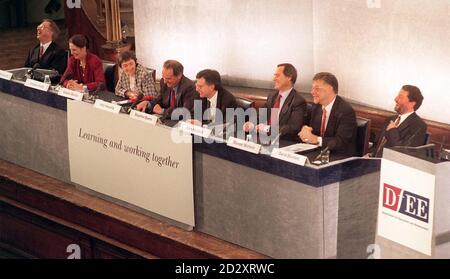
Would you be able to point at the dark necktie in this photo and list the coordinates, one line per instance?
(208, 110)
(322, 124)
(41, 52)
(274, 112)
(383, 140)
(172, 98)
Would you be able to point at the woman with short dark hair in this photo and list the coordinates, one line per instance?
(135, 78)
(85, 68)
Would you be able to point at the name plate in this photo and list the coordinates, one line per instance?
(37, 85)
(74, 95)
(244, 145)
(151, 119)
(100, 104)
(194, 129)
(5, 75)
(289, 156)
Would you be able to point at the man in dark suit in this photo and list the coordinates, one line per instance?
(406, 128)
(47, 53)
(214, 97)
(333, 120)
(176, 91)
(285, 108)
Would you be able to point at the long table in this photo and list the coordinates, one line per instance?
(271, 206)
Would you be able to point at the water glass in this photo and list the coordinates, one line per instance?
(325, 159)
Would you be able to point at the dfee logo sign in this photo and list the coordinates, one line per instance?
(406, 203)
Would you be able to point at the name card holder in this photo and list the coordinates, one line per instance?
(37, 85)
(289, 156)
(5, 75)
(71, 94)
(194, 129)
(244, 145)
(109, 107)
(151, 119)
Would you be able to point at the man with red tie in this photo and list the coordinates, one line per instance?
(333, 120)
(47, 53)
(176, 91)
(286, 108)
(405, 128)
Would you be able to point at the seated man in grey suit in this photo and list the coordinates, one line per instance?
(285, 107)
(333, 120)
(405, 128)
(177, 91)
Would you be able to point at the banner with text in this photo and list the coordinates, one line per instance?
(406, 206)
(131, 160)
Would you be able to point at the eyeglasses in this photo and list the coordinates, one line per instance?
(42, 26)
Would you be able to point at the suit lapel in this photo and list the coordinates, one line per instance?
(332, 118)
(166, 95)
(137, 80)
(316, 118)
(35, 54)
(179, 91)
(45, 57)
(219, 99)
(405, 124)
(286, 105)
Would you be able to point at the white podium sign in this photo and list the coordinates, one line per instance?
(132, 161)
(110, 107)
(37, 85)
(406, 206)
(289, 156)
(71, 94)
(244, 145)
(5, 75)
(142, 116)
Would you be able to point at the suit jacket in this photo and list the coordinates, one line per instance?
(292, 115)
(184, 97)
(341, 127)
(53, 58)
(411, 132)
(144, 83)
(225, 100)
(92, 76)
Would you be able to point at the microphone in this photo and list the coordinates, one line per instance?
(282, 131)
(330, 146)
(31, 71)
(100, 87)
(139, 99)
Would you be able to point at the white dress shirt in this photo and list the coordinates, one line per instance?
(212, 106)
(328, 109)
(45, 46)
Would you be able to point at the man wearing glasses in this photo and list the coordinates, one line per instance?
(47, 53)
(333, 120)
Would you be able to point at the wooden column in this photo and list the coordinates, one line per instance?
(100, 15)
(114, 43)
